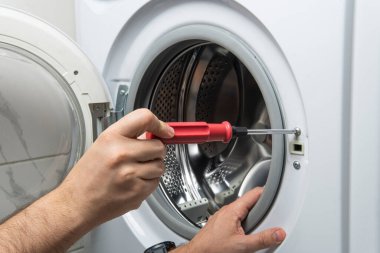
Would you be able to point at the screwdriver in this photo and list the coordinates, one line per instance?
(202, 132)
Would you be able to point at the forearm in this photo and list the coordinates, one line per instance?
(50, 224)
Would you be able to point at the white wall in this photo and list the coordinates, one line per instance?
(60, 13)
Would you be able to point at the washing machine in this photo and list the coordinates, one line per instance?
(259, 64)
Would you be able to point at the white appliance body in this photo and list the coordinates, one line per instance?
(307, 49)
(312, 70)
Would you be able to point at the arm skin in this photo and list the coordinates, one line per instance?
(113, 177)
(51, 224)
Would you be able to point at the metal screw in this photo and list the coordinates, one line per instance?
(124, 90)
(297, 165)
(298, 131)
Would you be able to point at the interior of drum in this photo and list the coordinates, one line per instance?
(206, 82)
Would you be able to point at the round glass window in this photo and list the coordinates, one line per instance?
(41, 128)
(202, 81)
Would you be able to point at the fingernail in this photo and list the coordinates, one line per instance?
(171, 131)
(278, 236)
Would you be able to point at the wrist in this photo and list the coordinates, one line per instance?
(64, 203)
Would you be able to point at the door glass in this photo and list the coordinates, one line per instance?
(40, 129)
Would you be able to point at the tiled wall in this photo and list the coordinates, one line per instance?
(60, 13)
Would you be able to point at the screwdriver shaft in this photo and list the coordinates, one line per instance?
(271, 131)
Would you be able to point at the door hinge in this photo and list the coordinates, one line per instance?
(98, 113)
(101, 119)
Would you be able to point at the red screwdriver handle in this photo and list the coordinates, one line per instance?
(196, 132)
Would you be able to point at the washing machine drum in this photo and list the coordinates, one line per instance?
(201, 81)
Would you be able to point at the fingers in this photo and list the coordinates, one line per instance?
(150, 170)
(265, 239)
(245, 203)
(151, 185)
(139, 121)
(145, 150)
(142, 190)
(119, 149)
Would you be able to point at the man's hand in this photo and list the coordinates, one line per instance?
(119, 171)
(114, 176)
(224, 233)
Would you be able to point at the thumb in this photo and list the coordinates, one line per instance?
(139, 121)
(265, 239)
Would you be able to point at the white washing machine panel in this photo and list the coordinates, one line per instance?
(301, 48)
(146, 38)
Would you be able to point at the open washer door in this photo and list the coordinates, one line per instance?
(51, 104)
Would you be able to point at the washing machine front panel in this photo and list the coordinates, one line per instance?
(135, 61)
(46, 89)
(302, 46)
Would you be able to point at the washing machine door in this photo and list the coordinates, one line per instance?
(51, 103)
